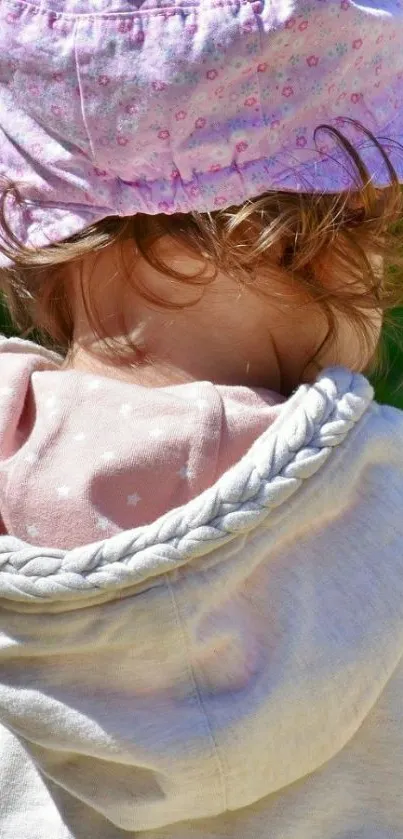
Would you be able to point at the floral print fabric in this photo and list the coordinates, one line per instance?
(113, 108)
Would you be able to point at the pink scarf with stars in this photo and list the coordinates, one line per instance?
(83, 457)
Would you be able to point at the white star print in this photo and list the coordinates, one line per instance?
(6, 391)
(126, 409)
(202, 403)
(63, 492)
(32, 531)
(102, 522)
(79, 437)
(133, 499)
(185, 472)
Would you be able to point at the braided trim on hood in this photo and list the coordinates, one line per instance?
(313, 422)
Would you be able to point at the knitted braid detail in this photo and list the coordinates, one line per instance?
(289, 452)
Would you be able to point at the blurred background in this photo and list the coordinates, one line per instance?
(388, 385)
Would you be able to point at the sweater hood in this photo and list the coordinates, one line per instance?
(194, 665)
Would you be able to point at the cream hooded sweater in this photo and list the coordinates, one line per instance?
(233, 667)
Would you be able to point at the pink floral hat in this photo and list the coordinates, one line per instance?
(111, 108)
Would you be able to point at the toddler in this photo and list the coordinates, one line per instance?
(201, 572)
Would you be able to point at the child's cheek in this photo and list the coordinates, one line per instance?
(353, 348)
(356, 344)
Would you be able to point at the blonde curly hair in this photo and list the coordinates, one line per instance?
(324, 244)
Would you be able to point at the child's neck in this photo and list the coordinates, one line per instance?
(229, 335)
(146, 373)
(174, 350)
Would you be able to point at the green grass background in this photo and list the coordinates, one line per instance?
(388, 387)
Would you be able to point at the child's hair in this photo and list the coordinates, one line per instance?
(325, 244)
